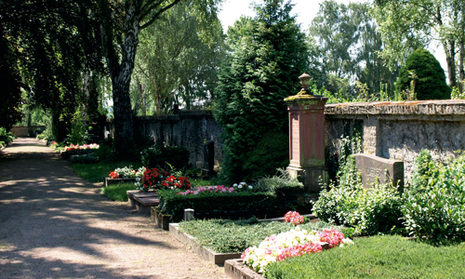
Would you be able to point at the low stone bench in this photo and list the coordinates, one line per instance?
(142, 201)
(109, 181)
(143, 204)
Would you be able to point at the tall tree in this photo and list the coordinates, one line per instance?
(50, 54)
(10, 80)
(348, 44)
(408, 24)
(178, 58)
(120, 25)
(266, 56)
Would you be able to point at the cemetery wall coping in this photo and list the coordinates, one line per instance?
(435, 110)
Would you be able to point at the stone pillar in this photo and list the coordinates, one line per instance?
(306, 137)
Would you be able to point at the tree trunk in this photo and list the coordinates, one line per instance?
(157, 96)
(143, 98)
(461, 67)
(121, 80)
(59, 130)
(449, 49)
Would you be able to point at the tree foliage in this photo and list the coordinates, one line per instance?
(348, 44)
(51, 52)
(406, 25)
(422, 75)
(177, 60)
(267, 54)
(10, 80)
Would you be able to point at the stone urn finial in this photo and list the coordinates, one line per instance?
(305, 82)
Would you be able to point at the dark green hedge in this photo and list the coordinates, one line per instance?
(225, 205)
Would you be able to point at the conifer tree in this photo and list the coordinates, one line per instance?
(423, 75)
(267, 54)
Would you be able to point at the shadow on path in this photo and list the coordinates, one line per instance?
(56, 225)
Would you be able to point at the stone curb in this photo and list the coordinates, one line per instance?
(109, 181)
(236, 269)
(205, 253)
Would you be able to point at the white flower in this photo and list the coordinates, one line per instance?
(240, 186)
(250, 187)
(235, 185)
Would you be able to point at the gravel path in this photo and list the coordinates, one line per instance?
(55, 225)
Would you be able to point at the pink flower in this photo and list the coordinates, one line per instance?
(294, 217)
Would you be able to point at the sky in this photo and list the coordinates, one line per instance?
(305, 10)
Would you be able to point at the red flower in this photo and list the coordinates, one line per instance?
(114, 174)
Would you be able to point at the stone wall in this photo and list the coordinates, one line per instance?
(400, 130)
(392, 130)
(191, 129)
(24, 131)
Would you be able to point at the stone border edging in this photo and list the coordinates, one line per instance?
(109, 181)
(236, 269)
(205, 253)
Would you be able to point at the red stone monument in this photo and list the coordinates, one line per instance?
(306, 136)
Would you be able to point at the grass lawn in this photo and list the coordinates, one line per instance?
(376, 257)
(117, 192)
(95, 172)
(226, 236)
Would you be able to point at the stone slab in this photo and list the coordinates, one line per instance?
(374, 168)
(236, 269)
(131, 200)
(108, 180)
(143, 204)
(140, 194)
(205, 253)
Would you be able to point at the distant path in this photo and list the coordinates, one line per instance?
(54, 224)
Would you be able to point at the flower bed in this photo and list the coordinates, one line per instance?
(124, 175)
(127, 172)
(293, 243)
(228, 236)
(73, 149)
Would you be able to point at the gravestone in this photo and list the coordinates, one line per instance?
(373, 168)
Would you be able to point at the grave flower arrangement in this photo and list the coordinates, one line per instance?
(242, 186)
(81, 147)
(173, 182)
(210, 189)
(294, 217)
(294, 243)
(127, 172)
(152, 178)
(76, 149)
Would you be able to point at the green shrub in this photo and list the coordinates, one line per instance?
(369, 211)
(375, 257)
(5, 137)
(271, 153)
(429, 80)
(435, 203)
(160, 156)
(227, 236)
(288, 190)
(217, 205)
(79, 133)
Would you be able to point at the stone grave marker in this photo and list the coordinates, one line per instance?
(373, 168)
